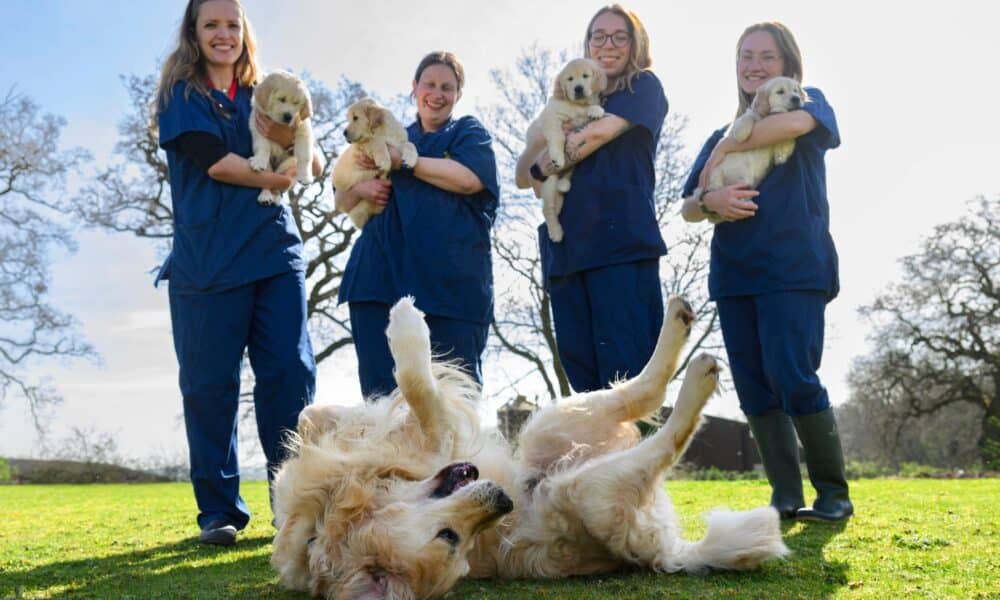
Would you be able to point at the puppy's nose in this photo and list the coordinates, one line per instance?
(578, 90)
(286, 117)
(796, 101)
(347, 134)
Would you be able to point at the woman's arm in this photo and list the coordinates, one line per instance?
(769, 130)
(445, 173)
(732, 203)
(376, 190)
(234, 169)
(580, 143)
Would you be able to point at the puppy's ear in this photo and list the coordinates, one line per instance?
(761, 104)
(307, 107)
(262, 93)
(375, 116)
(557, 89)
(600, 79)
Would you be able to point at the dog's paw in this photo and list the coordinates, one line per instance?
(558, 162)
(556, 232)
(700, 382)
(678, 309)
(407, 331)
(259, 163)
(595, 112)
(564, 185)
(304, 177)
(268, 198)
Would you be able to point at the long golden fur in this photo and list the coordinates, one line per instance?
(284, 98)
(384, 500)
(575, 101)
(777, 95)
(371, 129)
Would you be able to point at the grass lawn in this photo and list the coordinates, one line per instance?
(910, 538)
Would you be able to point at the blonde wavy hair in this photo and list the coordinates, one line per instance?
(186, 63)
(790, 55)
(639, 59)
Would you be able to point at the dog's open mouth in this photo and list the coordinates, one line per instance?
(454, 477)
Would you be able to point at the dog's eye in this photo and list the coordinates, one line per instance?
(586, 76)
(780, 92)
(449, 536)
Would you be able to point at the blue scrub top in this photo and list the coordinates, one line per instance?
(609, 214)
(222, 237)
(430, 243)
(787, 244)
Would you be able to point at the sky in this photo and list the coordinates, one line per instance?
(913, 92)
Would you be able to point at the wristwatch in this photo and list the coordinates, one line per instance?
(700, 194)
(536, 172)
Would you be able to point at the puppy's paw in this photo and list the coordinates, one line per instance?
(558, 162)
(407, 332)
(268, 198)
(564, 185)
(304, 177)
(680, 311)
(556, 232)
(595, 112)
(700, 382)
(259, 163)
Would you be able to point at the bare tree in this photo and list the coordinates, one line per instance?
(33, 172)
(936, 335)
(133, 195)
(523, 325)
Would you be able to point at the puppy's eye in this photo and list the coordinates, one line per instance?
(448, 535)
(780, 92)
(355, 117)
(586, 76)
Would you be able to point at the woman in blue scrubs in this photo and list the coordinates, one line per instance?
(603, 278)
(773, 269)
(235, 267)
(432, 241)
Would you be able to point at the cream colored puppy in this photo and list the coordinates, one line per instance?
(575, 101)
(371, 130)
(283, 97)
(778, 95)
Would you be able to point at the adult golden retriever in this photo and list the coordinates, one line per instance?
(576, 99)
(401, 498)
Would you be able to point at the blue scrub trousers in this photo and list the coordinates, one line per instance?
(450, 339)
(775, 344)
(607, 321)
(211, 331)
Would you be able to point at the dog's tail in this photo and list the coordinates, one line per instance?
(735, 541)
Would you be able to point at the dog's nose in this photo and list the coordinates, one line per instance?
(578, 90)
(287, 117)
(796, 101)
(347, 134)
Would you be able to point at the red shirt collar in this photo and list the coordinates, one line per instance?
(231, 93)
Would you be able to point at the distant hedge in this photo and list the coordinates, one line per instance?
(65, 471)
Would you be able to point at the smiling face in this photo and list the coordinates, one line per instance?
(612, 59)
(219, 32)
(759, 60)
(436, 93)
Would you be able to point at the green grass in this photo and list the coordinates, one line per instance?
(910, 538)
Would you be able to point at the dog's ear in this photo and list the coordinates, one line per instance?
(557, 89)
(600, 79)
(375, 116)
(761, 102)
(307, 106)
(262, 93)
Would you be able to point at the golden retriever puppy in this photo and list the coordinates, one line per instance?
(371, 129)
(575, 101)
(401, 498)
(284, 98)
(777, 95)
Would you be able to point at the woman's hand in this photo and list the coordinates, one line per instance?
(376, 190)
(732, 202)
(719, 153)
(285, 181)
(283, 135)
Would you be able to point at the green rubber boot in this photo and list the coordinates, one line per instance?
(779, 451)
(825, 462)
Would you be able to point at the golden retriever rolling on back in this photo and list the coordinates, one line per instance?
(401, 498)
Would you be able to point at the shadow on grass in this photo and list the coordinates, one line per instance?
(185, 569)
(821, 577)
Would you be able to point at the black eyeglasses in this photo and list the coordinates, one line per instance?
(618, 38)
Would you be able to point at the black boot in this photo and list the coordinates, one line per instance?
(825, 461)
(779, 451)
